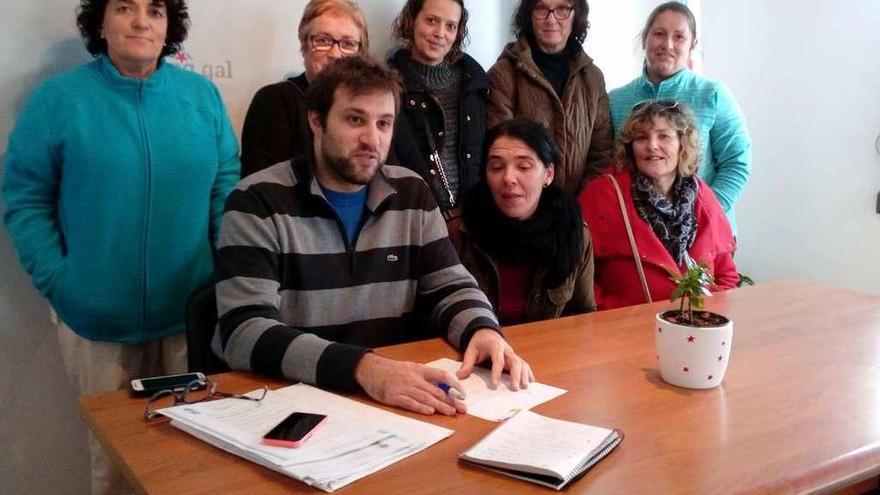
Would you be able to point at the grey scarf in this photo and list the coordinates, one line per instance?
(674, 222)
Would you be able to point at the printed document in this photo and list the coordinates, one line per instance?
(355, 441)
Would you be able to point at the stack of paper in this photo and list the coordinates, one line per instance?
(356, 440)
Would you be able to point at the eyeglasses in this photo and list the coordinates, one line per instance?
(657, 104)
(560, 13)
(324, 43)
(183, 397)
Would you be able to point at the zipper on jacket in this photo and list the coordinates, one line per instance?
(434, 157)
(349, 248)
(148, 190)
(538, 77)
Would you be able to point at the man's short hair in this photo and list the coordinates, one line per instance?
(359, 75)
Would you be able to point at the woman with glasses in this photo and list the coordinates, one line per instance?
(440, 129)
(669, 38)
(547, 77)
(653, 213)
(521, 235)
(275, 127)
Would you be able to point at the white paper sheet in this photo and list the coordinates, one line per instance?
(501, 403)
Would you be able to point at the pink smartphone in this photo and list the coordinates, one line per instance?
(294, 430)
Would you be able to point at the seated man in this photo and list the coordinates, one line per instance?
(323, 256)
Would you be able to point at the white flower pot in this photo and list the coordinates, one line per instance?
(692, 357)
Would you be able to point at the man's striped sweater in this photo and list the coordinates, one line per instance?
(295, 301)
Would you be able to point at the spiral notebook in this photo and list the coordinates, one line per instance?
(547, 451)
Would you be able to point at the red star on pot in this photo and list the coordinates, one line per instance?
(685, 369)
(691, 338)
(181, 57)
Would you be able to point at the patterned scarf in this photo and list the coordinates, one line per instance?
(674, 222)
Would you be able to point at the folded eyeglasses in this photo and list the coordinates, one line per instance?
(184, 396)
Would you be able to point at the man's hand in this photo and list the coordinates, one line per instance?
(407, 385)
(487, 343)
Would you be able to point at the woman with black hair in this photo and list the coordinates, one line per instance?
(440, 128)
(116, 176)
(522, 236)
(546, 76)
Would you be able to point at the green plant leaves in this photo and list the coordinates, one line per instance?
(692, 286)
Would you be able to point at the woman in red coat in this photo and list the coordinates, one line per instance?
(673, 214)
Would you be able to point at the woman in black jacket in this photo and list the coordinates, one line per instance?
(276, 128)
(440, 129)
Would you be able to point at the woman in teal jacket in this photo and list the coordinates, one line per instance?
(669, 38)
(116, 176)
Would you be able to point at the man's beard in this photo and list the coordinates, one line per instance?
(348, 171)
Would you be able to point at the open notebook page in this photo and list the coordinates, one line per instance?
(537, 444)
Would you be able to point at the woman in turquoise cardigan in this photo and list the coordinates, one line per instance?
(669, 38)
(116, 176)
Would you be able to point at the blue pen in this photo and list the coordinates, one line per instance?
(450, 391)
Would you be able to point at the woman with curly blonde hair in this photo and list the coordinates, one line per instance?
(654, 213)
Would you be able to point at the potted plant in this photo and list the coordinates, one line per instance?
(693, 346)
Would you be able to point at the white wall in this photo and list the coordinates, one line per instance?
(612, 39)
(807, 74)
(37, 407)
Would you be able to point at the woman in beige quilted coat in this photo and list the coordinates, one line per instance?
(547, 77)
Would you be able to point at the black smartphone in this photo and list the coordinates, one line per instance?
(294, 430)
(151, 385)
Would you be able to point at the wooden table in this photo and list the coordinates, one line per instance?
(798, 412)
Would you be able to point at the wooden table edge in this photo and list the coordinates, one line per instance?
(111, 452)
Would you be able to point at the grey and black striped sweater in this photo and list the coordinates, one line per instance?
(295, 301)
